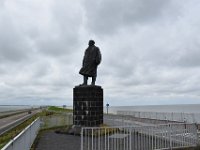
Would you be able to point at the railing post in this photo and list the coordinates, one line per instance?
(130, 143)
(159, 136)
(92, 139)
(193, 118)
(81, 138)
(170, 138)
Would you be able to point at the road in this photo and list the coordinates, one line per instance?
(9, 122)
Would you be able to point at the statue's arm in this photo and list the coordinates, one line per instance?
(99, 56)
(84, 59)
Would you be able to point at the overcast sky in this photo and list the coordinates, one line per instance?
(150, 50)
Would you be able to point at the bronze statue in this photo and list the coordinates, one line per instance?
(91, 60)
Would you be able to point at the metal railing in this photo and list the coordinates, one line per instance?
(120, 120)
(14, 124)
(25, 139)
(171, 116)
(139, 138)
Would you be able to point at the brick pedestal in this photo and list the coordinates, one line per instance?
(88, 106)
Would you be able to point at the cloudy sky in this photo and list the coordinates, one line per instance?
(150, 50)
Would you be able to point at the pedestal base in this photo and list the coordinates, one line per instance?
(88, 106)
(75, 130)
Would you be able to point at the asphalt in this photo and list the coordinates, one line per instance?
(50, 140)
(8, 122)
(53, 141)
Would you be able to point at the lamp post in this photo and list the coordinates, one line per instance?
(107, 105)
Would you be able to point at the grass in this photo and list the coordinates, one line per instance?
(106, 130)
(190, 148)
(59, 109)
(196, 148)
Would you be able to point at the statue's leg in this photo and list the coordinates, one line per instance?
(85, 79)
(93, 80)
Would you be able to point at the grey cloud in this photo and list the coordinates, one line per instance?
(150, 50)
(13, 46)
(107, 17)
(2, 2)
(63, 35)
(189, 56)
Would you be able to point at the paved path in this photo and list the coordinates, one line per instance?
(51, 141)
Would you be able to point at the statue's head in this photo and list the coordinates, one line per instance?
(91, 42)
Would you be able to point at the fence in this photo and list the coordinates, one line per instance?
(25, 139)
(139, 138)
(180, 117)
(122, 120)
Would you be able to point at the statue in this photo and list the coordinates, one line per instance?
(91, 60)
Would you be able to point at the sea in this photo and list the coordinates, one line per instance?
(179, 108)
(4, 108)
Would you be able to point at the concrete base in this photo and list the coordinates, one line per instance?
(75, 130)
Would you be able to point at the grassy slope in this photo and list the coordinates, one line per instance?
(54, 108)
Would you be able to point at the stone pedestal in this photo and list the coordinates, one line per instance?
(87, 106)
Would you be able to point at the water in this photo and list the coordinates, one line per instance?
(184, 108)
(189, 113)
(181, 108)
(4, 108)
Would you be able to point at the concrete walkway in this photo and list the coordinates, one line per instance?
(52, 141)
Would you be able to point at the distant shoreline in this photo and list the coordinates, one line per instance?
(153, 105)
(16, 105)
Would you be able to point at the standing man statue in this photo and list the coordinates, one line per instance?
(91, 60)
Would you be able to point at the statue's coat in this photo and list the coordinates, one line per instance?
(91, 60)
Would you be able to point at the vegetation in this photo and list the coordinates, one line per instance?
(189, 148)
(58, 109)
(196, 148)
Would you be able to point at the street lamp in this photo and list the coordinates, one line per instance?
(107, 105)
